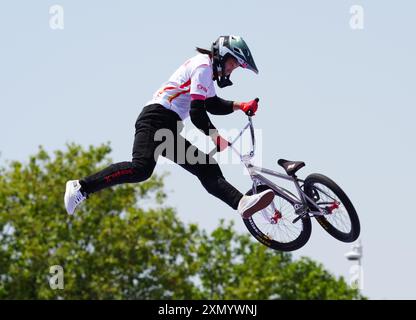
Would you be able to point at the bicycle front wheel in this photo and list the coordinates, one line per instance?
(274, 227)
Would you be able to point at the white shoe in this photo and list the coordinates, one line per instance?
(249, 205)
(73, 196)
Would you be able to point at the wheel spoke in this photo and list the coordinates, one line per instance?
(339, 218)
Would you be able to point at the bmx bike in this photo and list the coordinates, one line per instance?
(285, 225)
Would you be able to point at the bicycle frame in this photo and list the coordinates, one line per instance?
(300, 202)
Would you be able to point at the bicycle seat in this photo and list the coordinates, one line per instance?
(291, 166)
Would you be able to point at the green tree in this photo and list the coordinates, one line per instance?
(124, 243)
(235, 267)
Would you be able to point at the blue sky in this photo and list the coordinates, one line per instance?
(341, 100)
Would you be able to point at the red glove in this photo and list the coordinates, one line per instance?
(249, 106)
(220, 142)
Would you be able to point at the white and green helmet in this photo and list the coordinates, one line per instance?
(236, 47)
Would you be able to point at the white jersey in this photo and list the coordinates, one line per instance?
(192, 80)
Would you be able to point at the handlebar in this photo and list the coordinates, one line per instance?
(249, 113)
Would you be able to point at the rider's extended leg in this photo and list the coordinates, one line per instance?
(151, 119)
(139, 169)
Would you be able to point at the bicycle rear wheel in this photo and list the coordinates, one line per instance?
(274, 227)
(341, 220)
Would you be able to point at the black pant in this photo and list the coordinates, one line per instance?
(152, 118)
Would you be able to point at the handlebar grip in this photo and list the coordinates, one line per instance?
(249, 112)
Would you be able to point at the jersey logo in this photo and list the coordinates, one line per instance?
(201, 87)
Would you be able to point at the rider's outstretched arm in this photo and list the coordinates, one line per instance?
(218, 106)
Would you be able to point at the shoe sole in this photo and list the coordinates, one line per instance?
(263, 202)
(67, 186)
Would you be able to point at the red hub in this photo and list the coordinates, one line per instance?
(277, 215)
(332, 207)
